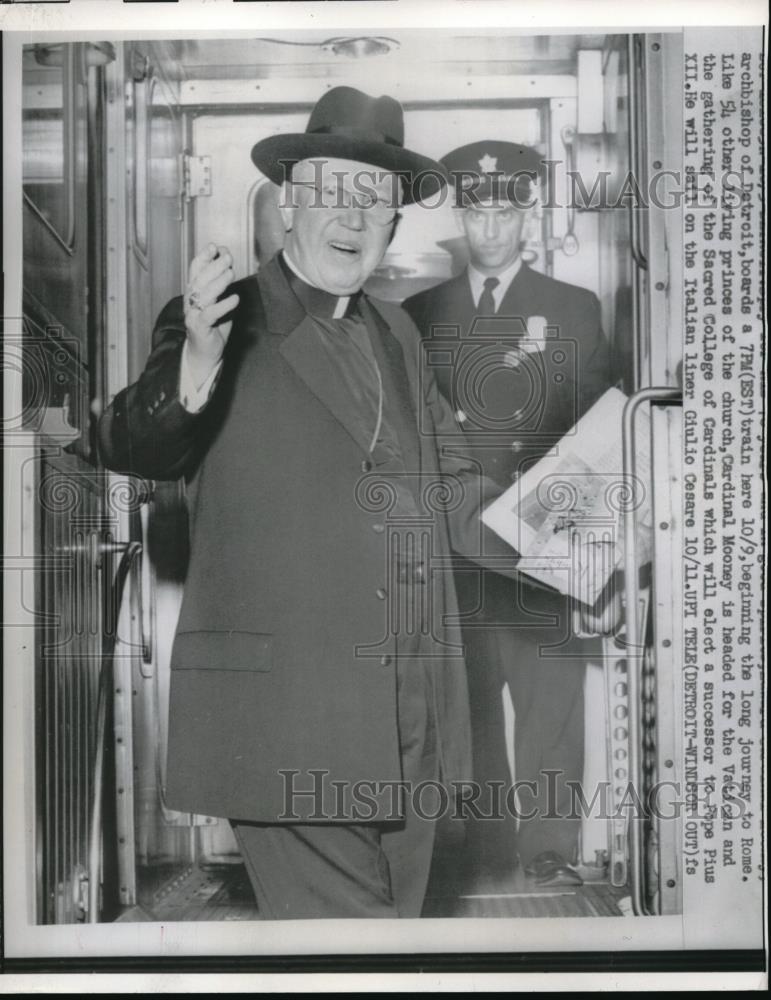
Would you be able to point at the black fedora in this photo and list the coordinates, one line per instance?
(351, 125)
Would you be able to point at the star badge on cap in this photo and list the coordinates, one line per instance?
(488, 164)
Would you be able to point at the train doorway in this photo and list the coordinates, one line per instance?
(136, 153)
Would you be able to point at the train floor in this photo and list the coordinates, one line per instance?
(221, 891)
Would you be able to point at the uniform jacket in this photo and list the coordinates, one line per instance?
(283, 661)
(514, 412)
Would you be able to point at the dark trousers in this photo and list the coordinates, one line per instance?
(315, 870)
(547, 693)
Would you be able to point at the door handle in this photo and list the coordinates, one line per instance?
(131, 553)
(662, 396)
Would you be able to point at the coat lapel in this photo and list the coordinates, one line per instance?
(516, 300)
(396, 386)
(303, 351)
(461, 308)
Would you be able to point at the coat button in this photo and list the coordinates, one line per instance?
(382, 594)
(366, 465)
(384, 661)
(378, 528)
(516, 447)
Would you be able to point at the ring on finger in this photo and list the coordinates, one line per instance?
(194, 300)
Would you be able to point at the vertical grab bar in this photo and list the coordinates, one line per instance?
(639, 260)
(634, 125)
(634, 641)
(130, 559)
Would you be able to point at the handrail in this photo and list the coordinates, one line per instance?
(634, 122)
(130, 559)
(661, 395)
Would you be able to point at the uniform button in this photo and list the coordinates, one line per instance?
(378, 528)
(384, 661)
(419, 571)
(366, 465)
(460, 416)
(516, 447)
(382, 594)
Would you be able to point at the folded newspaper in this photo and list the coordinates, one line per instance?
(565, 515)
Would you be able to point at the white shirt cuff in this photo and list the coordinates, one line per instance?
(193, 397)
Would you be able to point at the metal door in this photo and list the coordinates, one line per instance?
(62, 87)
(642, 300)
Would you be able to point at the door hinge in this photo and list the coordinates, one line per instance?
(197, 176)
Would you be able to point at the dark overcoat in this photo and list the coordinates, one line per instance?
(283, 662)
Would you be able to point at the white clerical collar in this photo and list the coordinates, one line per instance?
(477, 281)
(342, 302)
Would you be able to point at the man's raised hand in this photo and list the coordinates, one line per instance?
(211, 271)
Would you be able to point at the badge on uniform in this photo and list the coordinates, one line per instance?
(532, 342)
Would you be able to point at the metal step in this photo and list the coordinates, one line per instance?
(223, 892)
(201, 892)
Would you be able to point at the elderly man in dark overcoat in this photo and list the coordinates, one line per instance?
(318, 691)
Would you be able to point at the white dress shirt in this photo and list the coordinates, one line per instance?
(477, 281)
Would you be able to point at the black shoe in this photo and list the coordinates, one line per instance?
(550, 868)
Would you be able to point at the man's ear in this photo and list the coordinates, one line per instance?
(286, 206)
(459, 215)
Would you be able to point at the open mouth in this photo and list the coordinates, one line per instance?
(345, 249)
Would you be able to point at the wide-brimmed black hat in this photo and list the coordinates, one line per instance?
(493, 169)
(351, 125)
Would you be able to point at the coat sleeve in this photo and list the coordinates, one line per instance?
(146, 430)
(592, 370)
(415, 307)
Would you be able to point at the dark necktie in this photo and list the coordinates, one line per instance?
(486, 306)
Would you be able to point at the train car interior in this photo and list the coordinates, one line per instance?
(134, 154)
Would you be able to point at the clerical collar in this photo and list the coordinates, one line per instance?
(315, 300)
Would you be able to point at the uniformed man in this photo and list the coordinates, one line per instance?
(520, 356)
